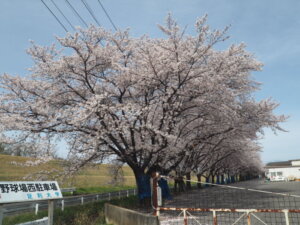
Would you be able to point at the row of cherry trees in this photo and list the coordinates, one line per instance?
(157, 104)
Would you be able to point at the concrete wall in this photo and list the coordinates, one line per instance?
(296, 163)
(43, 221)
(120, 216)
(286, 172)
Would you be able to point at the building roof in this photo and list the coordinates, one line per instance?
(295, 160)
(279, 164)
(282, 164)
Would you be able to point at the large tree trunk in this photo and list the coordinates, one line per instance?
(176, 183)
(228, 178)
(222, 179)
(143, 187)
(179, 184)
(199, 180)
(207, 181)
(188, 182)
(218, 179)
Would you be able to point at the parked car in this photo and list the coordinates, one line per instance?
(278, 178)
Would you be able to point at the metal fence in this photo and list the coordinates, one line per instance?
(17, 208)
(248, 202)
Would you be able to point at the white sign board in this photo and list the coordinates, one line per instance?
(159, 197)
(19, 191)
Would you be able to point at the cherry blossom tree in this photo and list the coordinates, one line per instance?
(145, 101)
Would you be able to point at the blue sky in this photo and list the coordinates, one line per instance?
(270, 29)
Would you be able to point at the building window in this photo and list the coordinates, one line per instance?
(273, 174)
(279, 173)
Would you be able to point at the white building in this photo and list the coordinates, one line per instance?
(287, 170)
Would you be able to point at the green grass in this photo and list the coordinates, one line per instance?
(88, 214)
(90, 177)
(90, 190)
(93, 190)
(12, 220)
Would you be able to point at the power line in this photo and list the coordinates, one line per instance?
(90, 11)
(107, 15)
(62, 14)
(76, 13)
(55, 16)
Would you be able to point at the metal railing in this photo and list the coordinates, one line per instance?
(17, 208)
(242, 215)
(70, 189)
(247, 202)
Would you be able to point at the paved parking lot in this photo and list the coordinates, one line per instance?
(225, 197)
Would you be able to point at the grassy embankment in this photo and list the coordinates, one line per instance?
(93, 179)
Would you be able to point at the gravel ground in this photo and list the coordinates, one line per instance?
(224, 197)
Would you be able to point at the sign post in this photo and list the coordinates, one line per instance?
(155, 193)
(29, 191)
(159, 196)
(50, 211)
(1, 213)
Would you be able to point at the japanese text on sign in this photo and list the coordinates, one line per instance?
(29, 191)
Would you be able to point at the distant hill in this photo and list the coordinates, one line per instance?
(93, 176)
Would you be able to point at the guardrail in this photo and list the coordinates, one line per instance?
(16, 208)
(71, 189)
